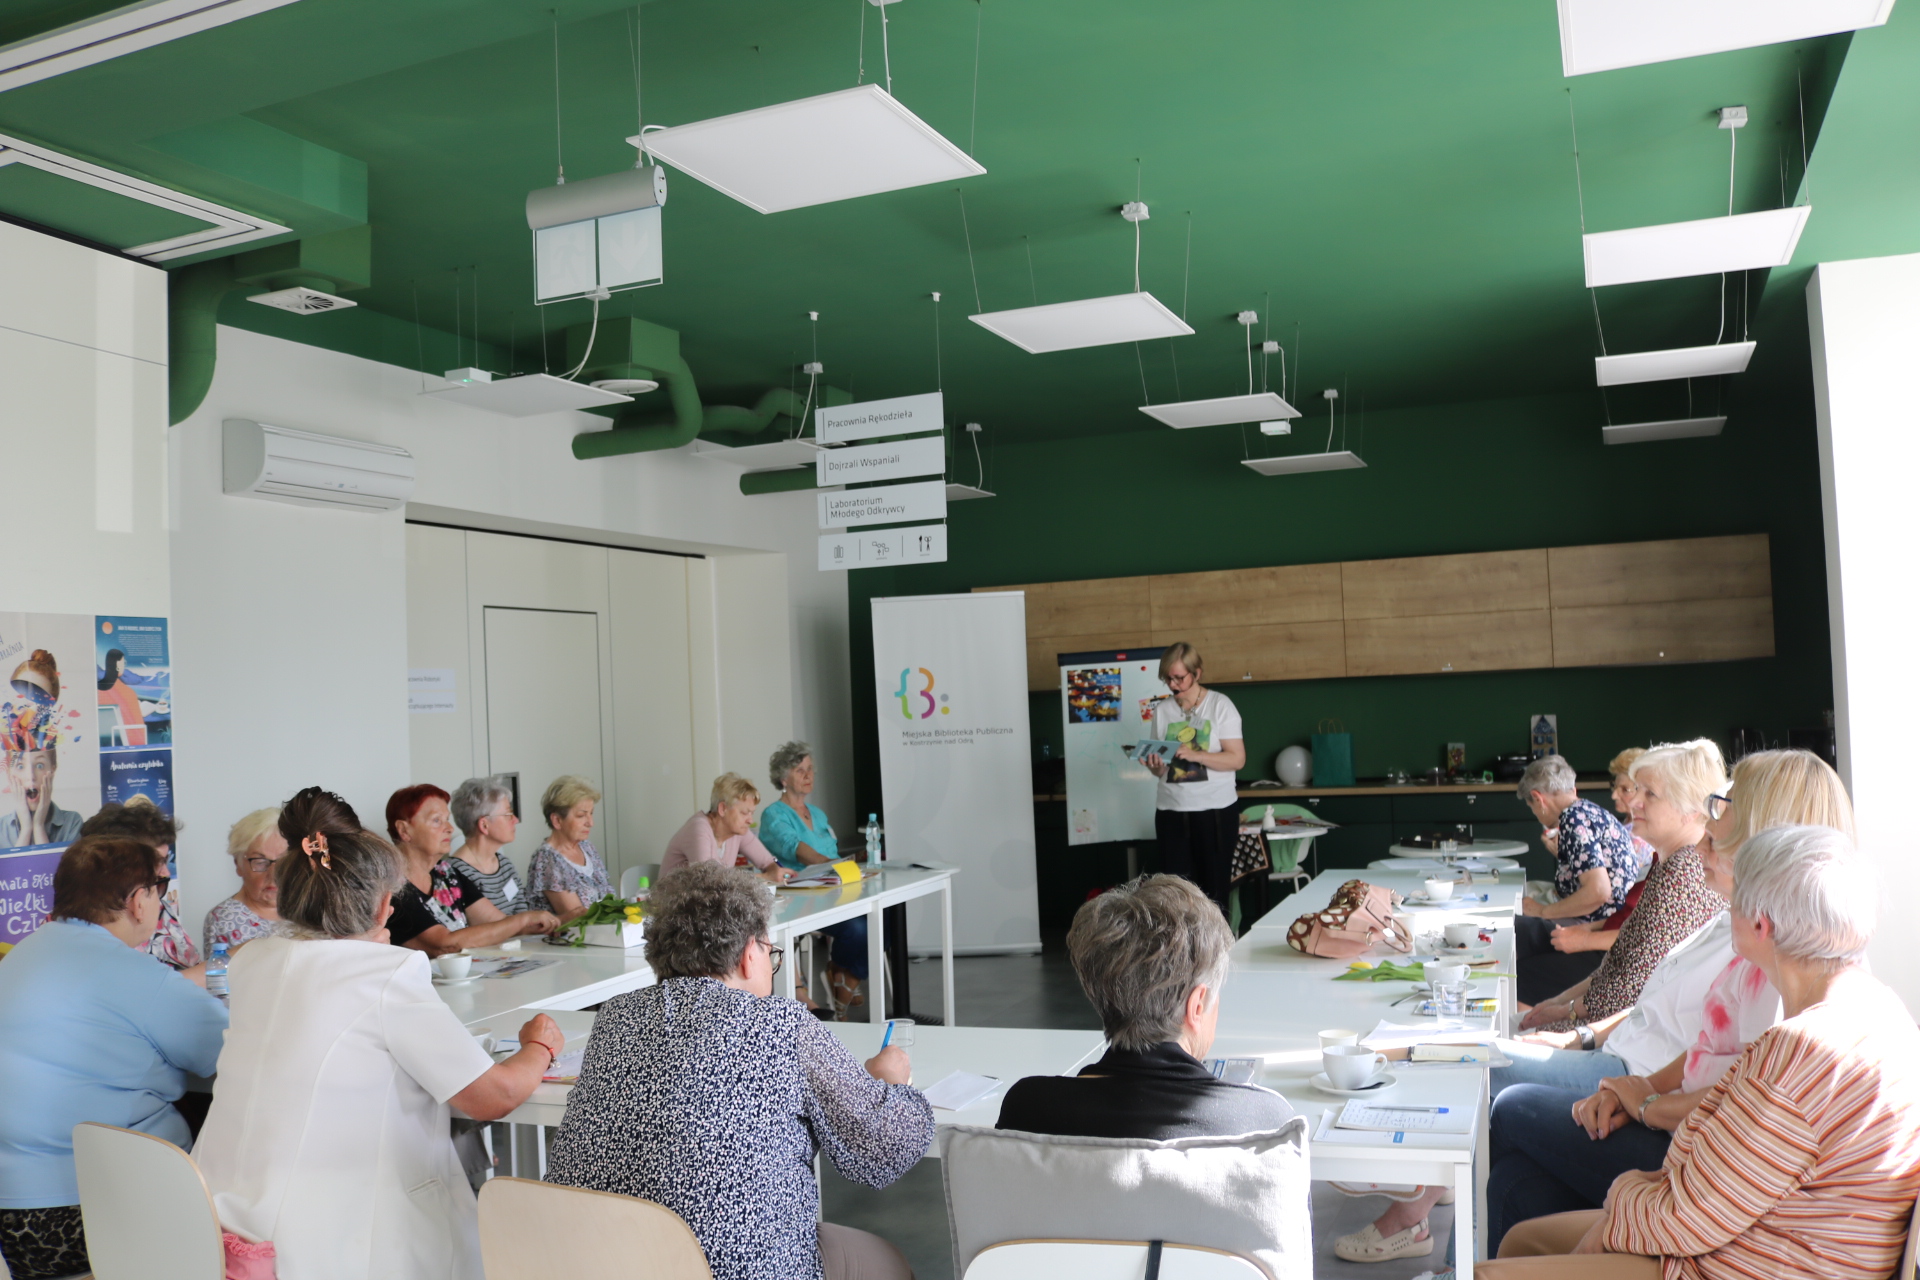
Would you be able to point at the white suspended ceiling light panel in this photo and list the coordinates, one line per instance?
(1676, 429)
(837, 146)
(1708, 246)
(527, 395)
(1599, 35)
(1665, 366)
(760, 457)
(229, 227)
(125, 30)
(961, 492)
(1340, 460)
(1223, 412)
(1090, 322)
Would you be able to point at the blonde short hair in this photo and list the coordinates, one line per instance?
(242, 834)
(1622, 764)
(564, 792)
(1692, 771)
(1184, 654)
(729, 788)
(1784, 789)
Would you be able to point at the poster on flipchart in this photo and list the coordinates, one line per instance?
(1106, 701)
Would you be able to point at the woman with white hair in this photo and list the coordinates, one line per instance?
(483, 810)
(1803, 1160)
(724, 833)
(255, 844)
(796, 831)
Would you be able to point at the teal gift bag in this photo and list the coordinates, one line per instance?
(1332, 755)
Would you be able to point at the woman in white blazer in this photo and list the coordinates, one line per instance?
(328, 1136)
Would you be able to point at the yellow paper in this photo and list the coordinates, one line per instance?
(849, 872)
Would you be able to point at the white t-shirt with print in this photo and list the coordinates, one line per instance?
(1213, 720)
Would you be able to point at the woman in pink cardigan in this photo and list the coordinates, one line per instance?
(723, 833)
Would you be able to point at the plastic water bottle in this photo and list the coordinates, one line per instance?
(217, 972)
(876, 852)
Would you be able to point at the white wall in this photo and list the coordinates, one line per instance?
(298, 616)
(1865, 322)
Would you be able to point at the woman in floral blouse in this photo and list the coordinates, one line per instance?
(438, 910)
(706, 1094)
(1594, 868)
(143, 820)
(255, 845)
(566, 867)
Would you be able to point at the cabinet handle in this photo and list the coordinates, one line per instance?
(1314, 801)
(1471, 797)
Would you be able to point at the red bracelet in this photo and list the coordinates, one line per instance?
(552, 1057)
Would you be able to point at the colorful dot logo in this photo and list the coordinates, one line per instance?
(924, 694)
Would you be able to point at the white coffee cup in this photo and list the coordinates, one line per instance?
(1461, 933)
(1332, 1038)
(453, 967)
(1439, 890)
(1443, 972)
(1351, 1067)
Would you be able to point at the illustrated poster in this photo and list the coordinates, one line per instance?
(1107, 702)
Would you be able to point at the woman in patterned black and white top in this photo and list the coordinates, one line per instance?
(705, 1094)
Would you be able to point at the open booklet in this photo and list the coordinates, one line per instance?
(822, 873)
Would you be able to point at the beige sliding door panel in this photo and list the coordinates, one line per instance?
(652, 701)
(753, 654)
(703, 674)
(544, 702)
(440, 743)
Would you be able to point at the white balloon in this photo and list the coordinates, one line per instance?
(1294, 766)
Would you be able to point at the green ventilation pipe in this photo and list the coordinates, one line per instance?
(785, 481)
(193, 307)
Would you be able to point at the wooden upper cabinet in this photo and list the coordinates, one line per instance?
(1442, 586)
(1092, 606)
(1633, 573)
(1279, 651)
(1506, 641)
(1665, 631)
(1245, 597)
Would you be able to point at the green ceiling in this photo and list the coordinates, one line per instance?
(1395, 177)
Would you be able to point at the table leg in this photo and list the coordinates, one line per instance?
(1467, 1228)
(900, 1005)
(789, 987)
(876, 965)
(947, 1009)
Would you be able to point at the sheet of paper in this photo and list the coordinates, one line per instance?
(514, 968)
(1330, 1132)
(1361, 1114)
(565, 1068)
(1234, 1070)
(1403, 1035)
(960, 1090)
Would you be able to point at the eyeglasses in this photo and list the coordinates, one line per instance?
(776, 956)
(1716, 805)
(258, 864)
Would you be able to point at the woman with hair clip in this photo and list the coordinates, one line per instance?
(329, 1133)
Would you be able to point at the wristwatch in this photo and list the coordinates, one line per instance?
(1585, 1032)
(1644, 1104)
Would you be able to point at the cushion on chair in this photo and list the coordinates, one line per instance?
(1246, 1194)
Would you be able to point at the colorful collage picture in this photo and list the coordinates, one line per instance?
(1093, 695)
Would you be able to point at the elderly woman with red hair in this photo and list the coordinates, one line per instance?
(439, 910)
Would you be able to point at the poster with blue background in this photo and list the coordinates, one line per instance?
(134, 675)
(138, 771)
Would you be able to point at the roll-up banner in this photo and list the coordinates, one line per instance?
(956, 776)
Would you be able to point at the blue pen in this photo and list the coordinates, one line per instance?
(887, 1038)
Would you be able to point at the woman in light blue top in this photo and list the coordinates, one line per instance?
(91, 1028)
(797, 833)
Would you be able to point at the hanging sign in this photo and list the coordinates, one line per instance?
(916, 544)
(891, 504)
(899, 460)
(900, 416)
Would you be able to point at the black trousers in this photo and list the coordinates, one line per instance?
(1544, 973)
(1198, 845)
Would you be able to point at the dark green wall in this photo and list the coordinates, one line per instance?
(1453, 478)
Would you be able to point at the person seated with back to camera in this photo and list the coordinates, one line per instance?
(723, 833)
(1151, 955)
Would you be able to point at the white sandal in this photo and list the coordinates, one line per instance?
(1391, 1190)
(1368, 1245)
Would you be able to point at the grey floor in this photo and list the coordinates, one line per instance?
(1040, 991)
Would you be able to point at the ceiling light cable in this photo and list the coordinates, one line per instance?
(419, 337)
(1032, 281)
(1580, 194)
(639, 110)
(559, 147)
(1806, 178)
(862, 77)
(1143, 373)
(973, 116)
(544, 366)
(973, 429)
(968, 233)
(592, 334)
(938, 379)
(1186, 284)
(886, 55)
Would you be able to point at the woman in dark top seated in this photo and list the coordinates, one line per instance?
(1151, 956)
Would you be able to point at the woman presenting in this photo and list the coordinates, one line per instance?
(1196, 806)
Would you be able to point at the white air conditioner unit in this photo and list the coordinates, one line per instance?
(284, 465)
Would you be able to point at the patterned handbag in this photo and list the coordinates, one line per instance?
(1359, 916)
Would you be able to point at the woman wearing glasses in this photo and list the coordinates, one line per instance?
(1197, 804)
(705, 1094)
(92, 1028)
(254, 843)
(437, 909)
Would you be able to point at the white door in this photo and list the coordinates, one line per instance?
(543, 707)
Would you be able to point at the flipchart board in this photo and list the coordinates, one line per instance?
(1106, 703)
(956, 772)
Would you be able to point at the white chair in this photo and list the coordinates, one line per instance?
(540, 1231)
(147, 1211)
(1108, 1260)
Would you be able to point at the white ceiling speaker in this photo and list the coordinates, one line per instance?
(627, 386)
(1667, 366)
(835, 146)
(1600, 35)
(302, 301)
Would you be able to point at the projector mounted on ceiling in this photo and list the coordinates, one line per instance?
(302, 301)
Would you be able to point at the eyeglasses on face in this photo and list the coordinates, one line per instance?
(776, 956)
(1716, 805)
(259, 865)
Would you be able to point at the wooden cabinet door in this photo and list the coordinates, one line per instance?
(1279, 651)
(1503, 641)
(1244, 597)
(1637, 573)
(1428, 586)
(1670, 631)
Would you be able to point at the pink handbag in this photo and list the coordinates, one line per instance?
(1359, 916)
(247, 1260)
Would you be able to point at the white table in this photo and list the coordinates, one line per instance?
(1005, 1053)
(801, 911)
(1463, 849)
(584, 977)
(1277, 1001)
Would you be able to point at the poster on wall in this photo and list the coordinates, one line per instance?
(1106, 700)
(86, 718)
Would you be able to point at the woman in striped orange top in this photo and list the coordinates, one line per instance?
(1804, 1160)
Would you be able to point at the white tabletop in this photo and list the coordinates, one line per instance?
(803, 910)
(1005, 1053)
(1463, 849)
(583, 976)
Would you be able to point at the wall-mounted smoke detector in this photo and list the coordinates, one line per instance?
(302, 301)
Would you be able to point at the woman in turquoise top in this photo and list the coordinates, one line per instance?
(799, 835)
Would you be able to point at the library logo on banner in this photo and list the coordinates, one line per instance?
(925, 694)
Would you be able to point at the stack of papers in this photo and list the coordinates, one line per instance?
(1404, 1035)
(1372, 1117)
(960, 1090)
